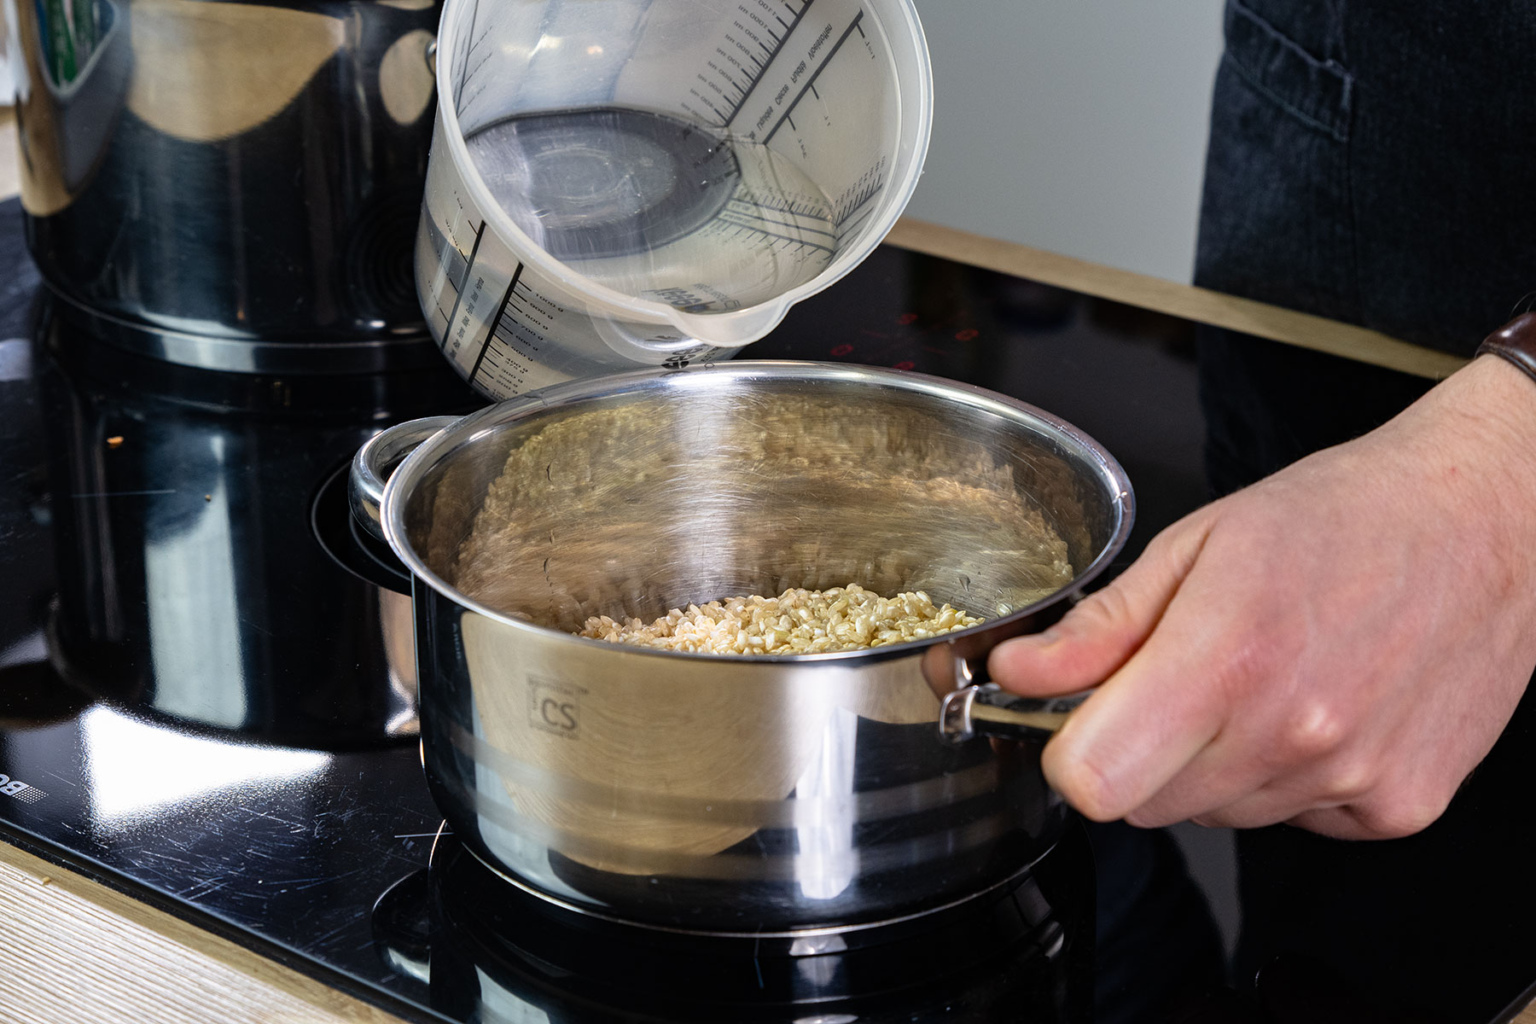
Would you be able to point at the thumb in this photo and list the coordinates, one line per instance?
(1102, 632)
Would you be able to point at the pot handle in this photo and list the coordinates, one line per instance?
(987, 710)
(377, 459)
(972, 705)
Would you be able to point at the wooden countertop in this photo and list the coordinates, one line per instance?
(73, 949)
(1175, 299)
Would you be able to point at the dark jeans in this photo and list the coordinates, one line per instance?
(1374, 161)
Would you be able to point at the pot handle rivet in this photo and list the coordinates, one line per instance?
(987, 710)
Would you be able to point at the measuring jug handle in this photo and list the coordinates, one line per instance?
(377, 459)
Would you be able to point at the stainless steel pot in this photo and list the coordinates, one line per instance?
(766, 795)
(230, 184)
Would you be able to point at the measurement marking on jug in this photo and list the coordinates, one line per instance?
(814, 75)
(508, 381)
(471, 45)
(479, 91)
(501, 310)
(752, 219)
(506, 370)
(509, 363)
(772, 52)
(536, 314)
(469, 268)
(856, 200)
(715, 110)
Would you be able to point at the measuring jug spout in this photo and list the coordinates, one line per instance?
(732, 330)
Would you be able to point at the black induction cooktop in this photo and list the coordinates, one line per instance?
(206, 684)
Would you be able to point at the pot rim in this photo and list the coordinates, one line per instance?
(485, 421)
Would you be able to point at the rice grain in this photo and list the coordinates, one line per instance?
(798, 621)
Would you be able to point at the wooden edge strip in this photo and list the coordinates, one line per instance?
(10, 152)
(1180, 300)
(71, 945)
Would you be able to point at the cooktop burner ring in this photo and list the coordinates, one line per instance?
(457, 928)
(786, 942)
(350, 546)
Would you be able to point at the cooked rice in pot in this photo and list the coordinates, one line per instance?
(796, 622)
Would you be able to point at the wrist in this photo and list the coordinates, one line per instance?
(1469, 445)
(1505, 370)
(1515, 343)
(1484, 441)
(1497, 390)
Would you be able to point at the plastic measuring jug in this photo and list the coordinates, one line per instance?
(624, 183)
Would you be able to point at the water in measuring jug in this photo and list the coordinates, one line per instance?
(658, 208)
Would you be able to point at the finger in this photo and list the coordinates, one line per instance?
(1106, 628)
(1352, 792)
(1334, 792)
(1154, 715)
(1355, 790)
(1126, 742)
(1282, 759)
(1216, 778)
(1333, 822)
(1273, 805)
(1226, 785)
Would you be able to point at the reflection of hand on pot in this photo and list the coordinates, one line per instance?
(1337, 646)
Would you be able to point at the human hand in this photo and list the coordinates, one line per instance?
(1337, 646)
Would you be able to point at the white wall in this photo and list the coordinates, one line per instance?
(1072, 125)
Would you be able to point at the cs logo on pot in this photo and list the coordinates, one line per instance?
(552, 707)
